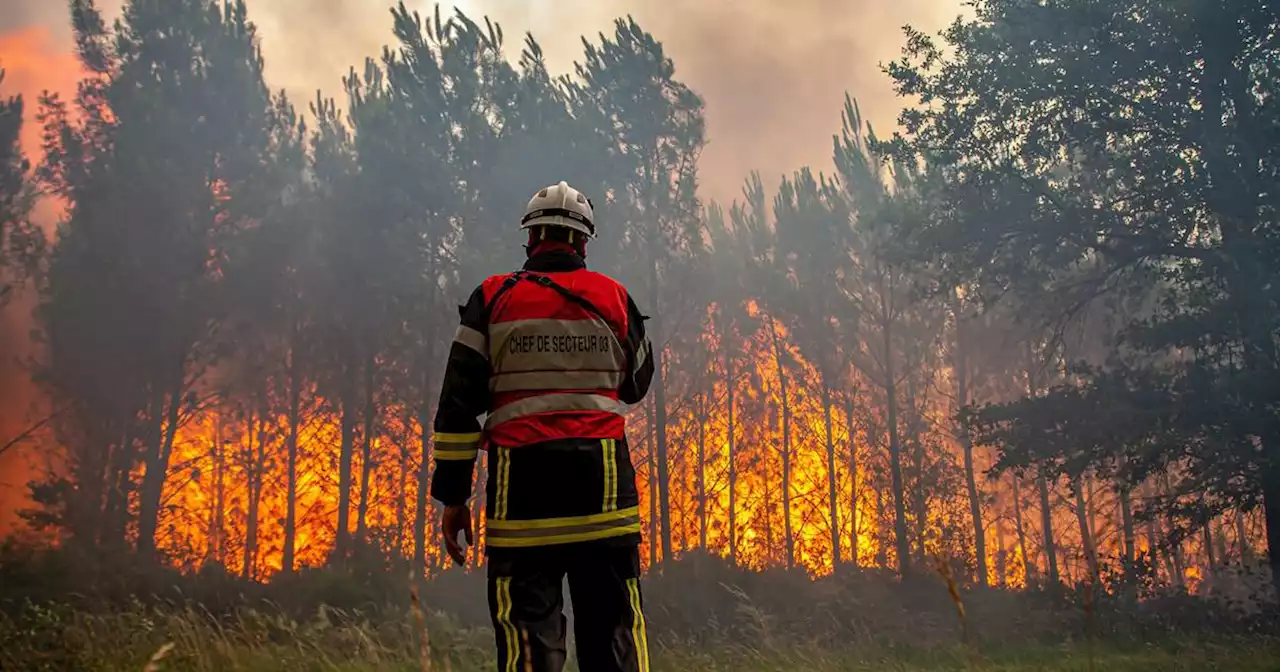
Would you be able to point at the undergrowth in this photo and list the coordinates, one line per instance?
(63, 611)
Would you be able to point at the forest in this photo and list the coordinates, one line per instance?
(1028, 341)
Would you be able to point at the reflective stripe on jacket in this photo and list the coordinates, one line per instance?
(551, 355)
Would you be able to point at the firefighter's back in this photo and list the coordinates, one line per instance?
(551, 355)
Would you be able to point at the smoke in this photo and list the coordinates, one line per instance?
(35, 55)
(773, 76)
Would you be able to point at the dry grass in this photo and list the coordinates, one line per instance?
(163, 639)
(704, 614)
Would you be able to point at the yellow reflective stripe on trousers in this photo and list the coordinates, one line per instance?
(503, 597)
(456, 446)
(447, 437)
(638, 634)
(502, 470)
(551, 531)
(610, 456)
(455, 455)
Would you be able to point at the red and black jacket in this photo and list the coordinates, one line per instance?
(552, 355)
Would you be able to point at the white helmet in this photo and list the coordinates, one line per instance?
(560, 205)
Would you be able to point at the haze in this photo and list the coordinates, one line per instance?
(772, 74)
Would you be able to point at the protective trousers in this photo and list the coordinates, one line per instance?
(526, 603)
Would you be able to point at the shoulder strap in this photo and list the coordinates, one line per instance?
(506, 287)
(547, 282)
(580, 300)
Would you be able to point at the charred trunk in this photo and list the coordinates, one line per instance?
(345, 454)
(854, 494)
(219, 496)
(1126, 521)
(157, 468)
(1242, 537)
(653, 478)
(833, 501)
(1046, 526)
(420, 510)
(702, 470)
(256, 463)
(732, 467)
(788, 538)
(660, 435)
(1001, 555)
(1086, 533)
(966, 444)
(366, 456)
(902, 545)
(402, 486)
(1028, 568)
(291, 460)
(919, 493)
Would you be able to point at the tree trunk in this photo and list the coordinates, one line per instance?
(702, 469)
(366, 457)
(256, 458)
(346, 452)
(1153, 539)
(118, 483)
(966, 444)
(1028, 569)
(1179, 564)
(220, 494)
(291, 459)
(1207, 541)
(420, 510)
(919, 493)
(653, 490)
(157, 470)
(1046, 525)
(660, 410)
(402, 486)
(882, 548)
(1242, 539)
(1002, 556)
(833, 497)
(788, 538)
(1126, 521)
(1220, 542)
(730, 385)
(895, 447)
(854, 494)
(1086, 534)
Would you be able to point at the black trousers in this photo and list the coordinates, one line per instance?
(526, 604)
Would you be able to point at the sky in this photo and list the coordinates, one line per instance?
(773, 75)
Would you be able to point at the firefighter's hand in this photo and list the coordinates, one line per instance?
(456, 519)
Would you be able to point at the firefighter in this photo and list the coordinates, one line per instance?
(553, 354)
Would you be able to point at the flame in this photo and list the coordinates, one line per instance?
(206, 517)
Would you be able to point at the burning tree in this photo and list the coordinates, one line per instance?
(246, 309)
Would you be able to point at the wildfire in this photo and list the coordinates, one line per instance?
(756, 451)
(220, 467)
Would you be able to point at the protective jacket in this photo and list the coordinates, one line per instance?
(552, 354)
